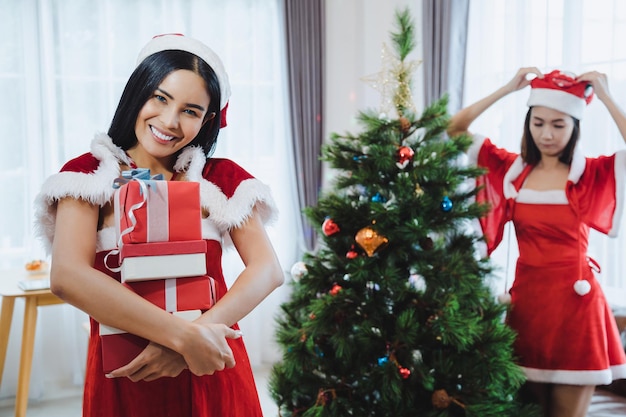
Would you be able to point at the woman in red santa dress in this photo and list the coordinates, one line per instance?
(567, 341)
(168, 120)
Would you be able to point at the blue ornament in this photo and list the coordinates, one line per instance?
(382, 361)
(446, 204)
(377, 198)
(319, 352)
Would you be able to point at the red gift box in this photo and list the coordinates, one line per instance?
(158, 211)
(158, 260)
(120, 347)
(180, 296)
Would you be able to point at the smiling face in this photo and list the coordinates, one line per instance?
(551, 130)
(173, 115)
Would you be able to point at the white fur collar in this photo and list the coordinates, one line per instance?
(577, 168)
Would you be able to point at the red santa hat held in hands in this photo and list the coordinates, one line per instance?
(560, 91)
(178, 42)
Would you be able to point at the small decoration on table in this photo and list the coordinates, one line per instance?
(37, 266)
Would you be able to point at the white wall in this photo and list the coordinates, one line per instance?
(355, 33)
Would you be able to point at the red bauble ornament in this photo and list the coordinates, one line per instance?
(351, 254)
(329, 227)
(404, 372)
(405, 154)
(335, 290)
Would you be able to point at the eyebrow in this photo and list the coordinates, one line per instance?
(195, 106)
(551, 121)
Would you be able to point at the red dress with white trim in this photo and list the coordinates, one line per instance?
(229, 194)
(566, 332)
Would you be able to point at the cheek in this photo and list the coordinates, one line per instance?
(192, 128)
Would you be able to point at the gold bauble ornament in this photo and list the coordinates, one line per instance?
(370, 240)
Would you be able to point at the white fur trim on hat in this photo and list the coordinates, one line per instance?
(558, 100)
(177, 42)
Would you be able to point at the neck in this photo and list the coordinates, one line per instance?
(163, 166)
(550, 162)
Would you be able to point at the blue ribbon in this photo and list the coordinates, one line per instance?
(141, 174)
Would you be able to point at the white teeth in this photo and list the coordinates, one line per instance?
(160, 135)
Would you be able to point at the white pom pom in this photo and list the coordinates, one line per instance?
(504, 298)
(298, 270)
(582, 287)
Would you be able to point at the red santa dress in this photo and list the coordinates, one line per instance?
(562, 336)
(229, 194)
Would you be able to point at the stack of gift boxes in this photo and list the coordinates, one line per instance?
(161, 254)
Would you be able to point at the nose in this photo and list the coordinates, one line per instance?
(170, 117)
(546, 132)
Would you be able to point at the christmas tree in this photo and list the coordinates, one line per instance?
(393, 316)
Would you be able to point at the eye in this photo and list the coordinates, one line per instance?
(537, 124)
(160, 98)
(559, 126)
(191, 112)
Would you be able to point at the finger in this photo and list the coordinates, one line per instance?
(152, 377)
(233, 334)
(531, 73)
(126, 370)
(230, 362)
(139, 375)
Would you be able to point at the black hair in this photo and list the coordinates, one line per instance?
(531, 154)
(142, 84)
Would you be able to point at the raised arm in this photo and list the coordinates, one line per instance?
(461, 121)
(601, 89)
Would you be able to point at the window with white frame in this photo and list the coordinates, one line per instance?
(572, 35)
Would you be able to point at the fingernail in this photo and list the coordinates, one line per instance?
(109, 375)
(239, 333)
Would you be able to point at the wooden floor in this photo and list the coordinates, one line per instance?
(605, 404)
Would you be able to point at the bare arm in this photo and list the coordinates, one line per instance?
(261, 275)
(74, 279)
(461, 121)
(601, 89)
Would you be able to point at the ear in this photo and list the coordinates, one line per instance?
(209, 116)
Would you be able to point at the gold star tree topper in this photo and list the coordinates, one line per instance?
(394, 83)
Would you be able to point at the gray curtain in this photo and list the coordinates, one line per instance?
(304, 32)
(444, 24)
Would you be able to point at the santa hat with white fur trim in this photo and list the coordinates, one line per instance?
(560, 91)
(179, 42)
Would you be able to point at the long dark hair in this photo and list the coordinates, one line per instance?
(146, 79)
(531, 154)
